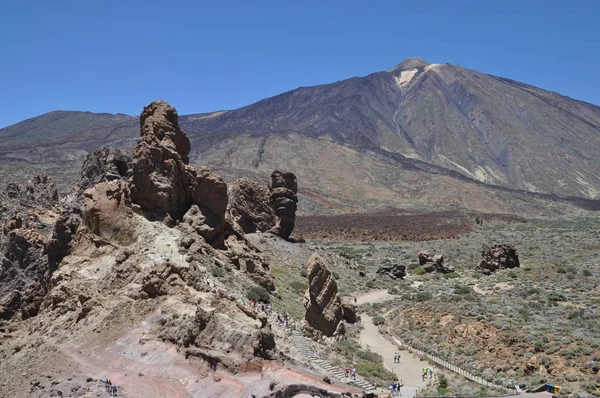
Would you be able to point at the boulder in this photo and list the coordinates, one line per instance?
(433, 263)
(498, 257)
(323, 305)
(264, 343)
(283, 189)
(250, 207)
(161, 177)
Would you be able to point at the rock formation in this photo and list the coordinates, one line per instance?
(161, 177)
(395, 271)
(103, 164)
(284, 189)
(210, 197)
(433, 263)
(106, 211)
(249, 206)
(323, 304)
(26, 223)
(497, 257)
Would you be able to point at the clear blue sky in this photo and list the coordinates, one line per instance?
(117, 56)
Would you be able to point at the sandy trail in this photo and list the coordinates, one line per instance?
(409, 369)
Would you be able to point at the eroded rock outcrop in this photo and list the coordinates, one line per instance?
(103, 164)
(106, 211)
(162, 180)
(323, 305)
(27, 219)
(497, 257)
(284, 190)
(434, 262)
(250, 207)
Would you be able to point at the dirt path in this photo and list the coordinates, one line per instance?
(410, 367)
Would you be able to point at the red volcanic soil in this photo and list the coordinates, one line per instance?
(394, 226)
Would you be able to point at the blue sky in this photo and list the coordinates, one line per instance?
(117, 56)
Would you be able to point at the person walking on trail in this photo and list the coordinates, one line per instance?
(399, 357)
(354, 373)
(424, 373)
(347, 371)
(430, 373)
(395, 357)
(391, 390)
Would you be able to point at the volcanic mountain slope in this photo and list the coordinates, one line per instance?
(490, 129)
(420, 134)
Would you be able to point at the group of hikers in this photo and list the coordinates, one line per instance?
(110, 388)
(353, 372)
(426, 372)
(397, 357)
(395, 388)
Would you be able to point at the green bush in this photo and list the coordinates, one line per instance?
(298, 287)
(258, 294)
(442, 383)
(369, 356)
(336, 276)
(217, 272)
(373, 369)
(412, 266)
(587, 272)
(556, 296)
(451, 275)
(419, 271)
(462, 289)
(378, 320)
(423, 296)
(370, 284)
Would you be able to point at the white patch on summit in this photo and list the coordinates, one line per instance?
(406, 76)
(431, 66)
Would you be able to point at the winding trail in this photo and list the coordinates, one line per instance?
(409, 370)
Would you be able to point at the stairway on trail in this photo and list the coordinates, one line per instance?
(321, 365)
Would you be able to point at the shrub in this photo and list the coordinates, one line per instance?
(298, 287)
(303, 273)
(451, 275)
(412, 266)
(461, 289)
(373, 369)
(556, 296)
(419, 271)
(217, 272)
(587, 272)
(423, 296)
(378, 320)
(259, 294)
(539, 346)
(336, 275)
(442, 382)
(370, 284)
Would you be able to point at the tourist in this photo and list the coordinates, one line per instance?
(354, 373)
(430, 373)
(347, 371)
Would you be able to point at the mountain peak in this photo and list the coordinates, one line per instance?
(409, 63)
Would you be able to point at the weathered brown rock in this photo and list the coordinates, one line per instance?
(323, 305)
(210, 198)
(106, 212)
(349, 310)
(284, 189)
(162, 180)
(433, 263)
(264, 343)
(498, 257)
(250, 207)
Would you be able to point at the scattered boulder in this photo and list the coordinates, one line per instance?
(433, 263)
(264, 343)
(498, 257)
(161, 177)
(284, 190)
(323, 305)
(396, 271)
(250, 207)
